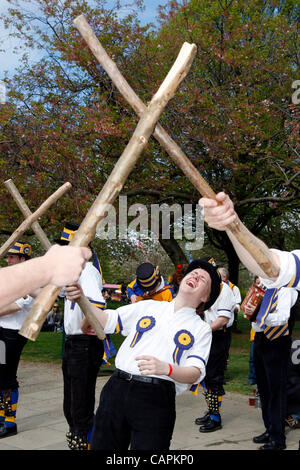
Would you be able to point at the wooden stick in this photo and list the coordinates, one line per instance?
(33, 217)
(9, 184)
(116, 180)
(84, 305)
(238, 229)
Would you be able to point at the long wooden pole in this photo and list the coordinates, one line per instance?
(33, 217)
(260, 254)
(11, 187)
(116, 180)
(85, 306)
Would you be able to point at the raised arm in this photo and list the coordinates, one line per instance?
(218, 214)
(61, 265)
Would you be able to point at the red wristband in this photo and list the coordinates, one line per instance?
(170, 370)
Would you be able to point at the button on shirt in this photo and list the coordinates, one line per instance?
(91, 284)
(153, 328)
(289, 275)
(223, 307)
(14, 321)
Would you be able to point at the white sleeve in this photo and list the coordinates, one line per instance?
(237, 295)
(226, 303)
(91, 284)
(289, 270)
(124, 318)
(24, 302)
(286, 299)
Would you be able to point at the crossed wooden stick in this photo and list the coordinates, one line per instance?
(115, 182)
(147, 125)
(9, 184)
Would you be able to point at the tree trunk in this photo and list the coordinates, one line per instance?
(173, 250)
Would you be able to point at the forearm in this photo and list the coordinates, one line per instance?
(20, 279)
(219, 323)
(185, 375)
(150, 365)
(9, 309)
(246, 258)
(98, 313)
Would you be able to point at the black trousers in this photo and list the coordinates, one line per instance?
(81, 362)
(216, 363)
(271, 362)
(136, 414)
(13, 345)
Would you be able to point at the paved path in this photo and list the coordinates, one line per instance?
(42, 426)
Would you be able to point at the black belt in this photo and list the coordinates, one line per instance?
(142, 378)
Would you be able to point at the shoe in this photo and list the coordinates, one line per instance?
(262, 438)
(8, 431)
(210, 426)
(202, 420)
(292, 422)
(272, 445)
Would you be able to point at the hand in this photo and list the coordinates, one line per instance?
(150, 365)
(218, 216)
(65, 263)
(133, 298)
(73, 293)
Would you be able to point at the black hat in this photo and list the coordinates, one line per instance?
(68, 233)
(21, 249)
(147, 276)
(209, 265)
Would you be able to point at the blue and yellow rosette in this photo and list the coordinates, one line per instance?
(184, 340)
(144, 324)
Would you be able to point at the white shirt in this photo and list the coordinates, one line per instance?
(237, 296)
(288, 270)
(286, 299)
(223, 307)
(161, 327)
(91, 284)
(14, 321)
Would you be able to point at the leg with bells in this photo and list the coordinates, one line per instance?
(10, 404)
(203, 419)
(213, 423)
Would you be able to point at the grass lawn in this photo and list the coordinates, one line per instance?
(48, 347)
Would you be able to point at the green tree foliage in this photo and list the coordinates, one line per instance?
(233, 115)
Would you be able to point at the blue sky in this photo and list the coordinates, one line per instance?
(9, 61)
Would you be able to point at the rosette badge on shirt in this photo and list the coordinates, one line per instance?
(184, 340)
(144, 324)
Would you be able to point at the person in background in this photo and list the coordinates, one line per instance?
(149, 284)
(175, 279)
(219, 213)
(82, 357)
(219, 317)
(12, 317)
(237, 294)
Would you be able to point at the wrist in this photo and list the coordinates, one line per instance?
(170, 370)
